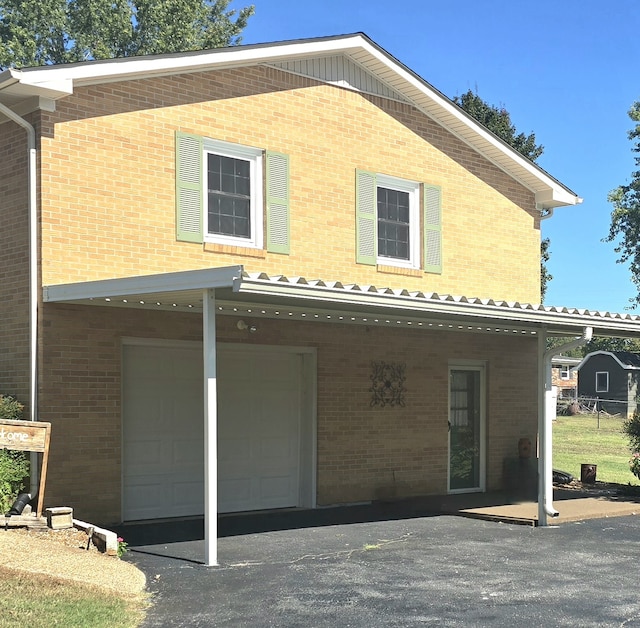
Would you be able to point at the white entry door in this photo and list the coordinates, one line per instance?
(259, 430)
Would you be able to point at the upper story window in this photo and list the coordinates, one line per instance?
(224, 190)
(234, 194)
(602, 381)
(565, 372)
(396, 224)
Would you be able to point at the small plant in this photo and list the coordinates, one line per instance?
(123, 547)
(10, 408)
(631, 429)
(14, 465)
(14, 468)
(634, 464)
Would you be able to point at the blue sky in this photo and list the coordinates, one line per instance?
(566, 70)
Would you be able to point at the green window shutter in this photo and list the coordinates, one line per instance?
(189, 188)
(366, 218)
(277, 187)
(432, 229)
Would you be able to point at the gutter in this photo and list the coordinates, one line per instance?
(33, 275)
(545, 467)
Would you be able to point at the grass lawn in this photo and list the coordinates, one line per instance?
(578, 440)
(38, 601)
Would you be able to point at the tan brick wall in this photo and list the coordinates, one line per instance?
(362, 451)
(108, 182)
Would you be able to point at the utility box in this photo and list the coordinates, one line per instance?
(59, 518)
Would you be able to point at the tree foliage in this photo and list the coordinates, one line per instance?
(612, 344)
(545, 275)
(625, 216)
(498, 121)
(61, 31)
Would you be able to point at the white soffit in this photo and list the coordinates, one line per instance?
(262, 296)
(387, 76)
(340, 70)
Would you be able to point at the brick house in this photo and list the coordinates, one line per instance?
(259, 248)
(564, 376)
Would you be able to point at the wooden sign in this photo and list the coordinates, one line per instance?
(28, 436)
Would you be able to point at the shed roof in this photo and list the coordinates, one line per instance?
(626, 359)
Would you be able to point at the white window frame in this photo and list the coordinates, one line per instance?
(413, 188)
(565, 372)
(256, 206)
(606, 388)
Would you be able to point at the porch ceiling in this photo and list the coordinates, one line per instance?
(296, 298)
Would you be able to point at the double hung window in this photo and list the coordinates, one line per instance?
(234, 194)
(226, 193)
(398, 222)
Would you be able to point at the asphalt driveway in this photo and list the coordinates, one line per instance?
(432, 570)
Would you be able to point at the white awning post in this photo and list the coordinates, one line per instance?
(546, 414)
(545, 445)
(210, 429)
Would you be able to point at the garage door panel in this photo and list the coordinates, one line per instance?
(187, 492)
(277, 449)
(235, 493)
(143, 453)
(188, 453)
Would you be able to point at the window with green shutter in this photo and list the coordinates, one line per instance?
(219, 194)
(388, 223)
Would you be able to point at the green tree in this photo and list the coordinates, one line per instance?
(60, 31)
(611, 344)
(498, 121)
(625, 216)
(545, 275)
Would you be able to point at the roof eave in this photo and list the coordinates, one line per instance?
(55, 82)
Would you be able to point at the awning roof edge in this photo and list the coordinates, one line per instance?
(298, 292)
(225, 276)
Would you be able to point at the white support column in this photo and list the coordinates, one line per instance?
(210, 429)
(546, 414)
(545, 469)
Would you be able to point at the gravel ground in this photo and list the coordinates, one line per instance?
(63, 554)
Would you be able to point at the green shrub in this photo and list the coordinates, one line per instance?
(14, 465)
(631, 429)
(10, 408)
(14, 468)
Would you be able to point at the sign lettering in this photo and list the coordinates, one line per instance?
(28, 436)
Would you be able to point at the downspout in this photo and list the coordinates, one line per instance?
(33, 277)
(545, 465)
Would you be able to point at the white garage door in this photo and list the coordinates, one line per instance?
(259, 430)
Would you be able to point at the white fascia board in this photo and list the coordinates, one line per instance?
(24, 84)
(88, 73)
(58, 81)
(554, 195)
(223, 277)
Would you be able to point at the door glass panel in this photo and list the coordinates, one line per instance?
(464, 430)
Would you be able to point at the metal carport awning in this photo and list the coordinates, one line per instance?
(277, 296)
(231, 291)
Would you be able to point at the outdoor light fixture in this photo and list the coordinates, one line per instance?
(241, 325)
